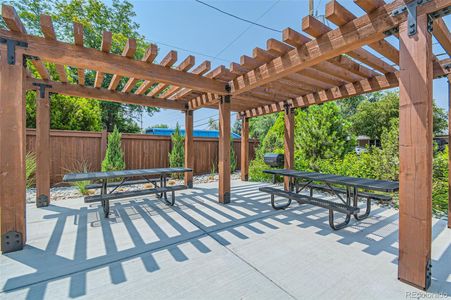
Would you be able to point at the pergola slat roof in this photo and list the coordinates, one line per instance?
(298, 70)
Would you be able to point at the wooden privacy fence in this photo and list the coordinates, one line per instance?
(68, 149)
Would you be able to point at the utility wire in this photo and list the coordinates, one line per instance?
(190, 51)
(246, 30)
(237, 17)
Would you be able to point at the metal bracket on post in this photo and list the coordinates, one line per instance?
(11, 48)
(42, 87)
(42, 201)
(226, 98)
(288, 107)
(411, 9)
(427, 284)
(12, 241)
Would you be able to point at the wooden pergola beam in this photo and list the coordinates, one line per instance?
(107, 38)
(184, 66)
(78, 40)
(149, 56)
(166, 62)
(316, 28)
(129, 52)
(14, 24)
(59, 52)
(105, 94)
(349, 37)
(374, 84)
(49, 33)
(339, 15)
(442, 34)
(199, 70)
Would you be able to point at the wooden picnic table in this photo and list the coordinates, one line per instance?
(160, 186)
(353, 186)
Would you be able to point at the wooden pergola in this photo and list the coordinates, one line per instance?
(296, 71)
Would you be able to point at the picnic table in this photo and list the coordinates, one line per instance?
(158, 177)
(352, 188)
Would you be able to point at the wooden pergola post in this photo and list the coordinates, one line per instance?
(224, 150)
(189, 145)
(244, 149)
(449, 152)
(288, 142)
(415, 153)
(12, 149)
(42, 147)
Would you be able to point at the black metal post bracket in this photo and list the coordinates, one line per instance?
(42, 87)
(411, 9)
(11, 48)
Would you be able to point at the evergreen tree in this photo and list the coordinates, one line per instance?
(177, 154)
(114, 157)
(233, 161)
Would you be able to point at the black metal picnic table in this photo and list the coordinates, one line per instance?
(300, 180)
(125, 175)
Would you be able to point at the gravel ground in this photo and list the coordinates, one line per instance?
(63, 193)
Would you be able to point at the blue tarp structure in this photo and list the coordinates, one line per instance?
(196, 132)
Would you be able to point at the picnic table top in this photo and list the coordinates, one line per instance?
(364, 183)
(125, 173)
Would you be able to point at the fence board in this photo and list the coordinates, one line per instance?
(71, 148)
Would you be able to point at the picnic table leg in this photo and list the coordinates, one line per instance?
(338, 226)
(273, 203)
(355, 202)
(348, 216)
(105, 203)
(159, 195)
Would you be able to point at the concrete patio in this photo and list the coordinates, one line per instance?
(200, 249)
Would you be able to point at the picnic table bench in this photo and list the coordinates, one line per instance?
(300, 180)
(158, 177)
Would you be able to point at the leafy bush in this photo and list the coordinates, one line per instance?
(30, 168)
(256, 168)
(114, 156)
(177, 154)
(440, 182)
(81, 167)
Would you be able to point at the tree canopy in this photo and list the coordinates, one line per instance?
(96, 17)
(372, 117)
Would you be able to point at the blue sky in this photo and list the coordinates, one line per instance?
(208, 34)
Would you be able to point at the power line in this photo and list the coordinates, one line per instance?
(215, 120)
(190, 51)
(246, 30)
(237, 17)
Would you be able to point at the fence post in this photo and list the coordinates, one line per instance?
(103, 144)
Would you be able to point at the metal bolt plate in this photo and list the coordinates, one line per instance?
(12, 241)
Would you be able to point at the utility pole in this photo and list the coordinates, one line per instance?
(310, 7)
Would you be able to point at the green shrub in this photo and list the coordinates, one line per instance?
(30, 168)
(177, 154)
(233, 161)
(256, 168)
(114, 156)
(81, 167)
